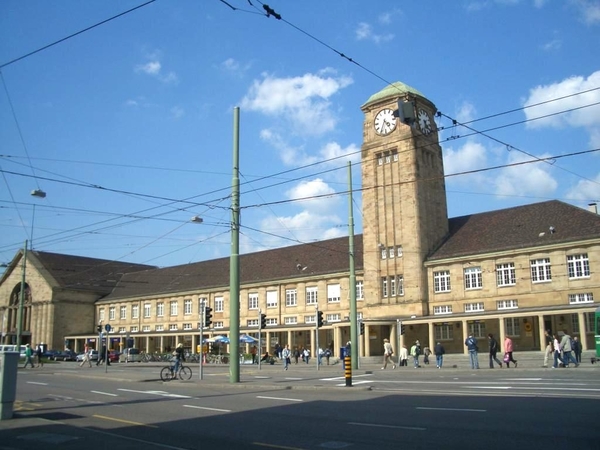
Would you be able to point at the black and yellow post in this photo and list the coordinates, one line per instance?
(348, 370)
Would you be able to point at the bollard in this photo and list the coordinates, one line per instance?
(348, 371)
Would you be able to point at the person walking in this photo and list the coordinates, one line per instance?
(28, 356)
(577, 349)
(426, 354)
(388, 351)
(549, 347)
(253, 351)
(557, 356)
(306, 355)
(567, 348)
(86, 356)
(40, 356)
(471, 344)
(508, 352)
(493, 345)
(415, 351)
(286, 355)
(296, 355)
(403, 358)
(439, 352)
(102, 357)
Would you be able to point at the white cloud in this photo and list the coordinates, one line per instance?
(571, 110)
(589, 10)
(470, 156)
(527, 179)
(154, 69)
(301, 102)
(177, 112)
(552, 45)
(586, 190)
(364, 31)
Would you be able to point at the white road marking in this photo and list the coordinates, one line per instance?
(280, 398)
(104, 393)
(294, 378)
(534, 388)
(377, 425)
(160, 393)
(208, 409)
(262, 377)
(452, 409)
(342, 377)
(35, 382)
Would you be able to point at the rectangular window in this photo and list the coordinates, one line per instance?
(219, 304)
(512, 326)
(333, 318)
(271, 299)
(444, 332)
(290, 320)
(134, 329)
(187, 307)
(392, 286)
(101, 314)
(578, 266)
(173, 307)
(575, 323)
(146, 329)
(384, 253)
(380, 159)
(384, 287)
(122, 329)
(473, 278)
(147, 310)
(399, 251)
(474, 307)
(589, 322)
(441, 281)
(505, 274)
(271, 321)
(333, 293)
(311, 295)
(187, 326)
(123, 312)
(388, 158)
(160, 309)
(291, 297)
(395, 155)
(575, 299)
(111, 313)
(540, 270)
(220, 324)
(400, 284)
(173, 327)
(253, 300)
(252, 323)
(310, 319)
(135, 311)
(477, 329)
(442, 309)
(391, 252)
(159, 328)
(507, 304)
(360, 290)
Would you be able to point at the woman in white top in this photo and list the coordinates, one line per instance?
(556, 352)
(387, 354)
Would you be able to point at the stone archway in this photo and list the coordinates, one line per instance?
(12, 314)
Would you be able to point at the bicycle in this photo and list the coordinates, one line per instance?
(184, 373)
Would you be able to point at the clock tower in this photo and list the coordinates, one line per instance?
(405, 216)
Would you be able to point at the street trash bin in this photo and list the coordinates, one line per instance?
(9, 362)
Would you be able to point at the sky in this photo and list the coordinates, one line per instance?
(128, 126)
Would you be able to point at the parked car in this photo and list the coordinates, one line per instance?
(113, 356)
(93, 356)
(50, 354)
(131, 355)
(65, 355)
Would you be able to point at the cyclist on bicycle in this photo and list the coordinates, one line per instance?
(179, 358)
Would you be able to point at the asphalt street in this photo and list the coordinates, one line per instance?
(127, 406)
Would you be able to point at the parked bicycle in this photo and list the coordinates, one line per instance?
(184, 373)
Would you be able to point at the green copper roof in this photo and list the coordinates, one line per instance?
(393, 90)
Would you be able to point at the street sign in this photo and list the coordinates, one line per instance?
(107, 327)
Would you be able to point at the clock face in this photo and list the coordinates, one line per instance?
(424, 122)
(385, 121)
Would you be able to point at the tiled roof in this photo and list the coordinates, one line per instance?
(81, 273)
(516, 228)
(298, 261)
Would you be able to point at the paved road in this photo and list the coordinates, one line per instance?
(63, 406)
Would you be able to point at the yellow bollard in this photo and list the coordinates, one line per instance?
(348, 370)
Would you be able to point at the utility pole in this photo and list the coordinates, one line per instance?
(202, 313)
(21, 300)
(234, 259)
(352, 281)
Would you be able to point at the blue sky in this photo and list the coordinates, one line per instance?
(128, 126)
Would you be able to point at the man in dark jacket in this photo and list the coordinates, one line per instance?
(439, 352)
(471, 344)
(493, 344)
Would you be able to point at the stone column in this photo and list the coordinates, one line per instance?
(502, 335)
(582, 330)
(367, 344)
(541, 331)
(465, 335)
(431, 332)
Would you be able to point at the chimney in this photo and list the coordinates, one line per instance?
(593, 207)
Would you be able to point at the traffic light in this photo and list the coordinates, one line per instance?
(402, 329)
(319, 319)
(99, 328)
(207, 316)
(263, 321)
(362, 328)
